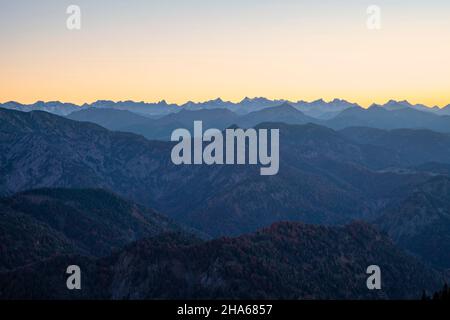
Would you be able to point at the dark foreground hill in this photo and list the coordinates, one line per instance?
(285, 261)
(43, 223)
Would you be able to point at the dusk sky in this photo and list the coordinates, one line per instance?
(198, 50)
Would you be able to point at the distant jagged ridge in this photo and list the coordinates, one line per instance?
(318, 108)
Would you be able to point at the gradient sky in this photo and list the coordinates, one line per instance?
(182, 50)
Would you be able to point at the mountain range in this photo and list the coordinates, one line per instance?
(326, 176)
(378, 117)
(318, 109)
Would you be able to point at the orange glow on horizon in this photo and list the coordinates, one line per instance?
(270, 50)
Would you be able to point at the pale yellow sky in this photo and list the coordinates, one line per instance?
(285, 49)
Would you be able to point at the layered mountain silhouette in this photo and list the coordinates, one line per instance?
(319, 109)
(337, 114)
(326, 176)
(284, 261)
(323, 178)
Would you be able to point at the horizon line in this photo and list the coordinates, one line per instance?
(228, 101)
